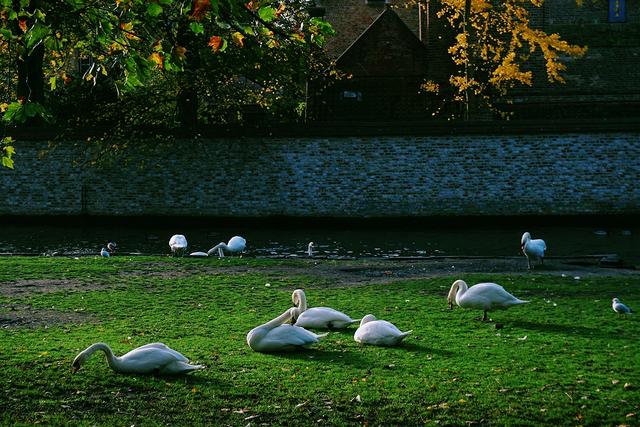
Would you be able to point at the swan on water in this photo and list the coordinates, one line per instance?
(533, 249)
(619, 307)
(277, 335)
(317, 317)
(378, 332)
(199, 254)
(155, 358)
(108, 250)
(178, 244)
(236, 244)
(482, 296)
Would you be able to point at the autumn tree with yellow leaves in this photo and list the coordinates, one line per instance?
(494, 46)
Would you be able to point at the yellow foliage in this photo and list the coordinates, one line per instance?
(156, 58)
(238, 38)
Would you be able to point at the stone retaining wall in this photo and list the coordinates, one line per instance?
(339, 177)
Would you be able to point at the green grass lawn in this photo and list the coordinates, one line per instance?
(564, 359)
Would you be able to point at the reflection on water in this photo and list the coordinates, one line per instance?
(354, 243)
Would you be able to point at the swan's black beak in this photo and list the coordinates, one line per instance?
(75, 368)
(450, 305)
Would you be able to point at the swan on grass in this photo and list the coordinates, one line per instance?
(178, 244)
(236, 244)
(108, 250)
(619, 307)
(277, 335)
(317, 317)
(310, 247)
(155, 358)
(533, 249)
(378, 332)
(482, 296)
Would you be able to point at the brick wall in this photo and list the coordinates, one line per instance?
(340, 177)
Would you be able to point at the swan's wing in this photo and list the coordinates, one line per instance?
(148, 360)
(323, 317)
(285, 337)
(236, 244)
(178, 367)
(163, 347)
(379, 332)
(488, 295)
(178, 241)
(536, 247)
(377, 329)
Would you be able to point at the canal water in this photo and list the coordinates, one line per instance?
(338, 242)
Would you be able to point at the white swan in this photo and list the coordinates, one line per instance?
(178, 243)
(236, 244)
(317, 317)
(619, 307)
(199, 254)
(378, 332)
(155, 358)
(106, 252)
(483, 296)
(310, 249)
(532, 249)
(275, 335)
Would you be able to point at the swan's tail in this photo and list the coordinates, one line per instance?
(322, 335)
(519, 301)
(402, 336)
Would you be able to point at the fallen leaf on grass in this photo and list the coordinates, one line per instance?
(299, 405)
(628, 386)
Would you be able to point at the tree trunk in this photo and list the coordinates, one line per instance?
(31, 76)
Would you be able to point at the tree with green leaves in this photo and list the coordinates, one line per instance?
(116, 48)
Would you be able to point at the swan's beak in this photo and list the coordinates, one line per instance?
(75, 368)
(450, 305)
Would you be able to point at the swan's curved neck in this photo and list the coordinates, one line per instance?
(300, 300)
(220, 247)
(280, 319)
(112, 359)
(457, 290)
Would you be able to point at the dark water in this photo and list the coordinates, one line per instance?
(282, 241)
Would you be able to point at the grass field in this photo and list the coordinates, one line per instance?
(564, 359)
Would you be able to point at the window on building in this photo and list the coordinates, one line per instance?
(617, 11)
(351, 96)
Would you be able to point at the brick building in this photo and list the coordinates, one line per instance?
(374, 45)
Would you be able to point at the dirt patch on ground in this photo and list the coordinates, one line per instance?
(342, 273)
(21, 288)
(25, 316)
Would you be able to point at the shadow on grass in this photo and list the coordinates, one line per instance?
(339, 357)
(415, 348)
(567, 329)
